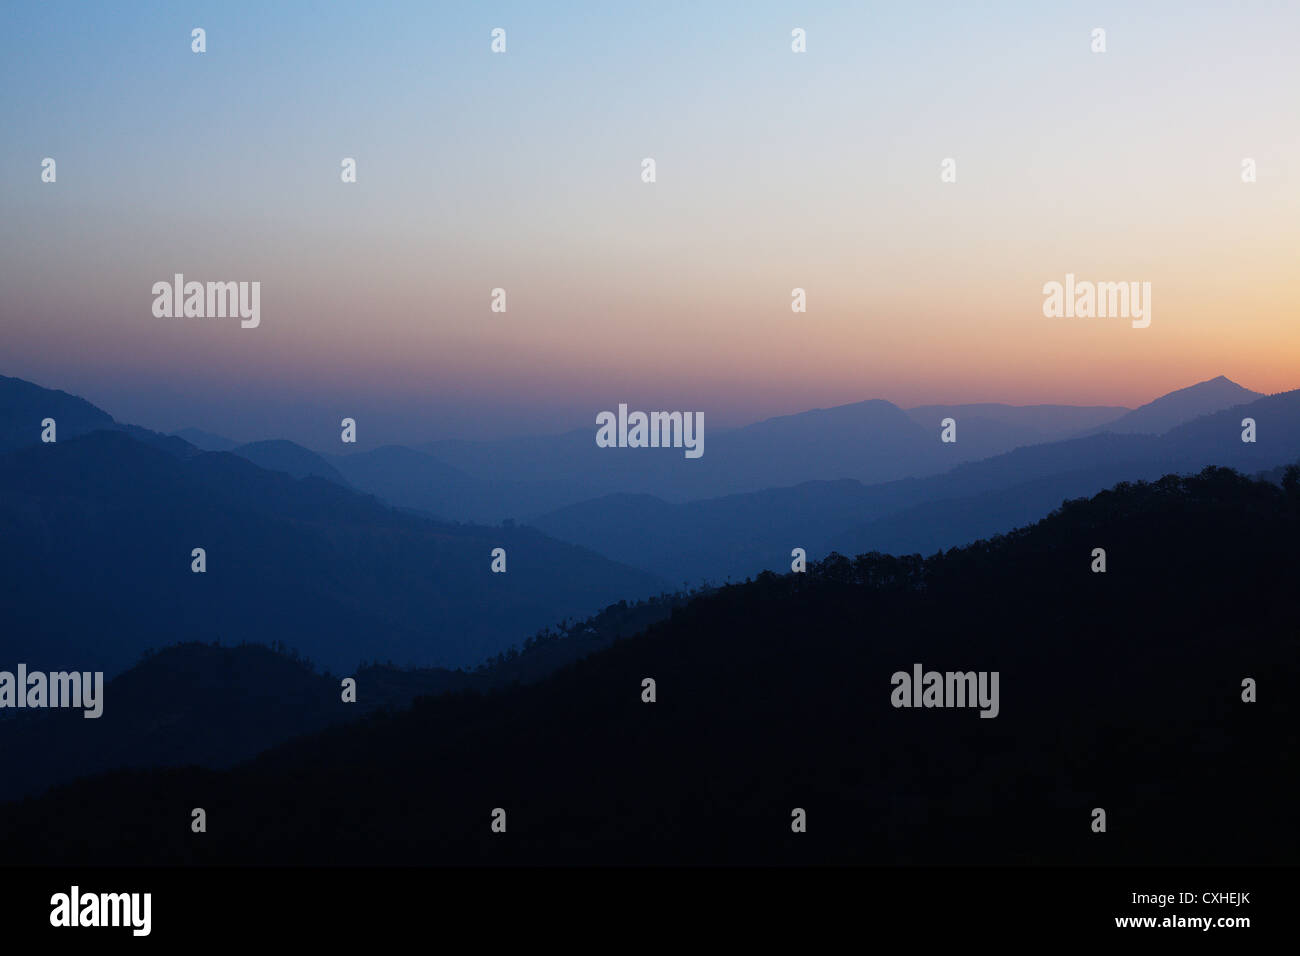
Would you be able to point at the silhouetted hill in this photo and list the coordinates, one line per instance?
(96, 566)
(206, 440)
(1183, 406)
(415, 479)
(936, 525)
(289, 458)
(192, 704)
(171, 444)
(23, 406)
(212, 706)
(1120, 691)
(1274, 475)
(990, 428)
(1277, 418)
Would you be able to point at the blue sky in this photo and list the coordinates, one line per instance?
(521, 171)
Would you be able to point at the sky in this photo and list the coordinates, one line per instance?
(522, 171)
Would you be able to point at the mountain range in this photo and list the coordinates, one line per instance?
(870, 441)
(1120, 691)
(299, 549)
(739, 535)
(100, 528)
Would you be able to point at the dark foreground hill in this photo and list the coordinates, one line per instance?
(195, 704)
(1119, 690)
(214, 706)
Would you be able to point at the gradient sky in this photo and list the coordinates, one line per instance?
(521, 170)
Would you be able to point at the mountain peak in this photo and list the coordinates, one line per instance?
(1218, 380)
(1184, 404)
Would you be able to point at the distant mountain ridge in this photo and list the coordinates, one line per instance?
(98, 531)
(872, 442)
(738, 535)
(555, 483)
(998, 427)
